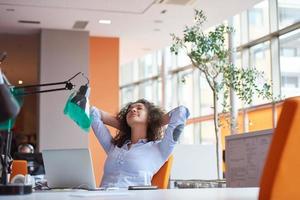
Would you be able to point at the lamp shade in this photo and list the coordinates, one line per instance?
(9, 108)
(78, 108)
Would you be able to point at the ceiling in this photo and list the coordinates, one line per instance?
(142, 25)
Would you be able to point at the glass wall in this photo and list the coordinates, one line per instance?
(260, 59)
(185, 89)
(288, 12)
(290, 63)
(258, 18)
(257, 46)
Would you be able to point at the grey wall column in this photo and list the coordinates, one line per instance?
(63, 54)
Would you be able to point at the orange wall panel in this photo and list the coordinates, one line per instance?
(104, 81)
(260, 119)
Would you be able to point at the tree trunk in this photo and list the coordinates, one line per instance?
(217, 133)
(234, 113)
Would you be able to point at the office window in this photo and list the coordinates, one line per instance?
(183, 59)
(187, 137)
(207, 132)
(128, 94)
(185, 89)
(159, 93)
(238, 63)
(237, 30)
(258, 18)
(206, 97)
(291, 82)
(238, 59)
(260, 58)
(170, 59)
(195, 92)
(129, 72)
(146, 91)
(171, 92)
(198, 133)
(289, 12)
(159, 57)
(290, 63)
(288, 52)
(149, 90)
(148, 66)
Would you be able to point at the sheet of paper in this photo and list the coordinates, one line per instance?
(100, 193)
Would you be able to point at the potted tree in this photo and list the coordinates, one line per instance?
(209, 53)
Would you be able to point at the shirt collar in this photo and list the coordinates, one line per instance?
(127, 142)
(142, 141)
(139, 141)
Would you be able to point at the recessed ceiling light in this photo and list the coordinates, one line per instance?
(104, 21)
(157, 21)
(20, 82)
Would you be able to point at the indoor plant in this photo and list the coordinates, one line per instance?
(209, 53)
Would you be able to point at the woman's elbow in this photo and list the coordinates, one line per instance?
(184, 110)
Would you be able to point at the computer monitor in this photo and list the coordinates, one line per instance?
(34, 160)
(69, 168)
(245, 157)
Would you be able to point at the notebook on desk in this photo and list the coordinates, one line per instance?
(69, 168)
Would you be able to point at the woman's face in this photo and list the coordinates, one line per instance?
(137, 114)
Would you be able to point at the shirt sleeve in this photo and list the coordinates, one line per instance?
(100, 130)
(178, 117)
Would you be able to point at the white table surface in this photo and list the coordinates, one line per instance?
(170, 194)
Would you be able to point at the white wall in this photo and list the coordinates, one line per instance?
(63, 54)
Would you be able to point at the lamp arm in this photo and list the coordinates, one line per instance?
(68, 86)
(40, 85)
(34, 88)
(74, 76)
(39, 91)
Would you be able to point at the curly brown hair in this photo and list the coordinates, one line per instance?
(154, 125)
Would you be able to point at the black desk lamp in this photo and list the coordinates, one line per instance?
(77, 108)
(9, 106)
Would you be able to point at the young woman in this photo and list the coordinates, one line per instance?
(139, 149)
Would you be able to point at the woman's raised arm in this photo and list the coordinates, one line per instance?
(166, 119)
(109, 119)
(175, 119)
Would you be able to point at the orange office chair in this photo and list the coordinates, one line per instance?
(18, 167)
(161, 178)
(281, 175)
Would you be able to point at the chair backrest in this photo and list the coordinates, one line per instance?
(18, 167)
(281, 175)
(161, 178)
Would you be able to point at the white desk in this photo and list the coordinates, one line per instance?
(171, 194)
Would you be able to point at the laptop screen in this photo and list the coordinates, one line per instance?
(69, 168)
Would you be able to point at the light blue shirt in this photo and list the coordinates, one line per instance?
(137, 165)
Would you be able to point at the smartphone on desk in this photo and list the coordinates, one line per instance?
(143, 187)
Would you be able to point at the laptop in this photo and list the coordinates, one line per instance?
(69, 168)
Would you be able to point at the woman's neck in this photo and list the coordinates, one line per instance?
(137, 133)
